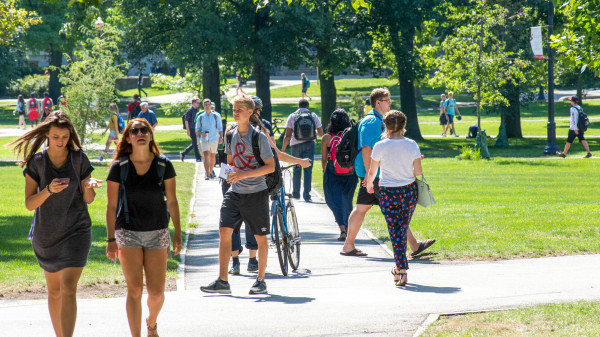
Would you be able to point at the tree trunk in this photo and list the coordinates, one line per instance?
(327, 85)
(54, 85)
(263, 89)
(418, 95)
(403, 47)
(210, 83)
(513, 113)
(580, 88)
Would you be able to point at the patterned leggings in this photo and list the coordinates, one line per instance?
(398, 205)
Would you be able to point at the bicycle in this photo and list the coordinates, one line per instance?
(277, 129)
(284, 227)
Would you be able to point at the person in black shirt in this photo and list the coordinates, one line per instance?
(190, 126)
(140, 232)
(140, 83)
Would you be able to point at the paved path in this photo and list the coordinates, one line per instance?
(329, 295)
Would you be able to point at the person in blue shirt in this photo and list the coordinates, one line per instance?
(210, 130)
(148, 115)
(369, 132)
(451, 109)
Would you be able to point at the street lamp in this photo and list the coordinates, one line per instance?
(551, 148)
(99, 24)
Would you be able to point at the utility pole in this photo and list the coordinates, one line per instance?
(551, 147)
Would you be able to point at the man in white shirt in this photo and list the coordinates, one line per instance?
(574, 129)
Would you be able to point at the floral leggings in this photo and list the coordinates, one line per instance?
(398, 205)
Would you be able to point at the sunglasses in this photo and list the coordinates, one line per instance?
(143, 130)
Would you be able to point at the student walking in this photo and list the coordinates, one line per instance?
(20, 109)
(112, 127)
(302, 129)
(248, 198)
(400, 161)
(148, 115)
(137, 220)
(59, 186)
(443, 115)
(451, 109)
(369, 133)
(33, 113)
(133, 108)
(46, 106)
(140, 83)
(190, 126)
(210, 130)
(574, 130)
(305, 86)
(240, 82)
(339, 183)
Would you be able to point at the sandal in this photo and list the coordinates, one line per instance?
(152, 331)
(343, 236)
(402, 280)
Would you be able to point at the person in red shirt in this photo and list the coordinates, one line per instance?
(33, 114)
(133, 108)
(46, 106)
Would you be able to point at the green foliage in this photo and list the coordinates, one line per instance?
(357, 109)
(89, 81)
(191, 82)
(175, 109)
(14, 20)
(28, 84)
(469, 153)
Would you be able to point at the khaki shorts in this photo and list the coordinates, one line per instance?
(209, 147)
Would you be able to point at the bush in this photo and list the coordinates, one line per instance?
(29, 84)
(358, 106)
(469, 153)
(175, 109)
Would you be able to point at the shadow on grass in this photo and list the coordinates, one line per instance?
(8, 164)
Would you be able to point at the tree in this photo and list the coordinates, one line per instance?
(14, 21)
(89, 81)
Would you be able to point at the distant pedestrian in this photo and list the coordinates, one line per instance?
(302, 129)
(443, 115)
(133, 108)
(451, 109)
(574, 129)
(112, 127)
(305, 86)
(46, 106)
(140, 83)
(400, 161)
(148, 115)
(339, 184)
(210, 130)
(190, 126)
(62, 100)
(33, 113)
(59, 187)
(241, 82)
(20, 109)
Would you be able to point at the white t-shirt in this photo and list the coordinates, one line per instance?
(396, 157)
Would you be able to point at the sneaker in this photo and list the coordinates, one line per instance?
(235, 269)
(588, 155)
(456, 135)
(562, 155)
(181, 156)
(218, 287)
(206, 178)
(259, 287)
(443, 135)
(252, 266)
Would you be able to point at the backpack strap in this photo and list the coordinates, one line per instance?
(161, 166)
(124, 165)
(255, 147)
(229, 136)
(216, 121)
(377, 118)
(76, 163)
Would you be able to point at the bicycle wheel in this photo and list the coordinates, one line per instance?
(280, 239)
(293, 235)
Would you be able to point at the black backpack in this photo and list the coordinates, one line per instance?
(304, 126)
(347, 148)
(136, 110)
(582, 120)
(274, 179)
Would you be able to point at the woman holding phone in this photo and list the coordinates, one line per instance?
(58, 186)
(138, 234)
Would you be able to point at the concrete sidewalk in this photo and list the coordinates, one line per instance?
(330, 294)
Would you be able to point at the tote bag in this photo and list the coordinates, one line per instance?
(425, 197)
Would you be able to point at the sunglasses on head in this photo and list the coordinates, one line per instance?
(143, 130)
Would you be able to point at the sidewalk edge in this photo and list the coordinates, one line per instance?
(181, 267)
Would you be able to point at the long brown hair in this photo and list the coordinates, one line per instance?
(29, 143)
(124, 147)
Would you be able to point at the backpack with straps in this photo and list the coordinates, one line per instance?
(215, 118)
(124, 163)
(583, 122)
(33, 104)
(347, 148)
(274, 179)
(39, 161)
(332, 164)
(304, 126)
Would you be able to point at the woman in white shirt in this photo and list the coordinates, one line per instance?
(400, 161)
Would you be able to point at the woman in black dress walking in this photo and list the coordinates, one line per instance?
(58, 186)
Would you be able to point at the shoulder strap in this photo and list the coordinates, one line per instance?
(161, 166)
(255, 147)
(229, 136)
(372, 114)
(124, 166)
(216, 121)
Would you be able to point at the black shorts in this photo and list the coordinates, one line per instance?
(572, 135)
(252, 209)
(443, 119)
(366, 198)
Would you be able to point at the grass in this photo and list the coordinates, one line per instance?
(19, 268)
(151, 92)
(564, 319)
(505, 208)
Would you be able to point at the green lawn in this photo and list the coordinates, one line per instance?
(151, 92)
(563, 319)
(505, 208)
(19, 268)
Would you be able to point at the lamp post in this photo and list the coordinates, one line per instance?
(551, 148)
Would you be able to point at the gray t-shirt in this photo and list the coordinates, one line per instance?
(243, 159)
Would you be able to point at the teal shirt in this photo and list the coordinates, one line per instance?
(450, 104)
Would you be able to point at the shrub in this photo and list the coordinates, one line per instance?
(469, 153)
(175, 109)
(358, 106)
(29, 84)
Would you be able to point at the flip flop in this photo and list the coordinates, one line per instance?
(354, 252)
(422, 246)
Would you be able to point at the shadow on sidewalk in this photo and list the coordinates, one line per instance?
(277, 298)
(418, 288)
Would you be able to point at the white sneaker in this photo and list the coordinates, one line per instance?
(443, 135)
(455, 135)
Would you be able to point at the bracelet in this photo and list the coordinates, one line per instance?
(48, 189)
(111, 240)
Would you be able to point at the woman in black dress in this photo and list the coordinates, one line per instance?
(58, 186)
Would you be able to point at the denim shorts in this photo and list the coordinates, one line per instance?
(158, 239)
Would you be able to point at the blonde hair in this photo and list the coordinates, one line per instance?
(450, 93)
(395, 122)
(443, 95)
(113, 107)
(245, 100)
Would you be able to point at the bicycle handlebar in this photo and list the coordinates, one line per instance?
(289, 167)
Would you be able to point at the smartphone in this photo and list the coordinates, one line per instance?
(64, 181)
